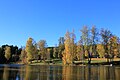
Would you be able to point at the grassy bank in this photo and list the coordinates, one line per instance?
(85, 61)
(98, 61)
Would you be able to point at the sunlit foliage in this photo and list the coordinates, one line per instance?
(7, 52)
(30, 50)
(70, 48)
(42, 49)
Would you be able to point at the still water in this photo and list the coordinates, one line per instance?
(49, 72)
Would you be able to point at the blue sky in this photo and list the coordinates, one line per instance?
(50, 19)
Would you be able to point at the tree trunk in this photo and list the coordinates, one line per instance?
(89, 57)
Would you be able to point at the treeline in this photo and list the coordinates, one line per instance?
(9, 53)
(93, 43)
(40, 51)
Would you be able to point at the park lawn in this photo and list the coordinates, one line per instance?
(47, 62)
(59, 62)
(96, 60)
(103, 59)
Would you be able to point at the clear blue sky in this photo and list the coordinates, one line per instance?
(50, 19)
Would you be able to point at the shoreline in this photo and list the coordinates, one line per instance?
(94, 61)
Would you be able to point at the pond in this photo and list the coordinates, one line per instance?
(52, 72)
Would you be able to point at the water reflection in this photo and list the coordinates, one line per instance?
(90, 72)
(47, 72)
(8, 73)
(30, 73)
(41, 73)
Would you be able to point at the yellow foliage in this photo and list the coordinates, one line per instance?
(70, 48)
(100, 50)
(7, 53)
(29, 49)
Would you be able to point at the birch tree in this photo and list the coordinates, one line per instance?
(7, 52)
(86, 42)
(30, 49)
(106, 35)
(94, 41)
(42, 49)
(70, 48)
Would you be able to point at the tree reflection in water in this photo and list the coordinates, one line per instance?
(49, 72)
(6, 73)
(9, 73)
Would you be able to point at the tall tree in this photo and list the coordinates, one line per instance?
(80, 55)
(100, 50)
(94, 41)
(42, 49)
(118, 47)
(66, 54)
(112, 47)
(61, 47)
(115, 45)
(55, 52)
(7, 52)
(35, 51)
(106, 35)
(23, 56)
(73, 45)
(48, 53)
(70, 51)
(30, 49)
(86, 42)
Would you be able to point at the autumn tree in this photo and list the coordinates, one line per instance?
(61, 47)
(30, 49)
(42, 49)
(66, 53)
(118, 47)
(23, 56)
(106, 35)
(100, 50)
(35, 51)
(7, 52)
(80, 55)
(86, 42)
(70, 48)
(94, 41)
(112, 47)
(48, 53)
(55, 52)
(73, 46)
